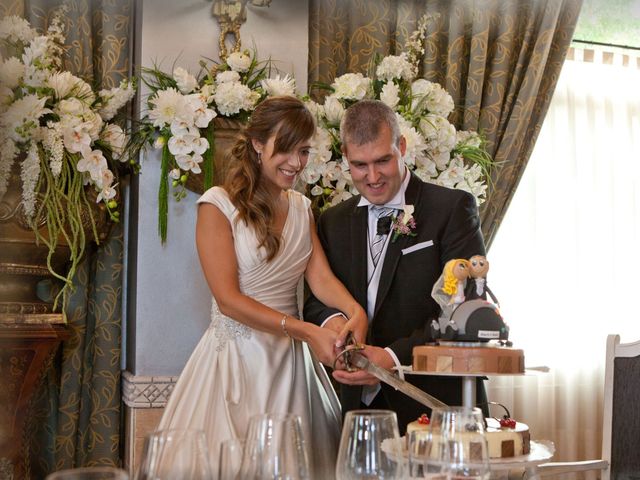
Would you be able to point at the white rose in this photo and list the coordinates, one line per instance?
(239, 61)
(187, 83)
(70, 107)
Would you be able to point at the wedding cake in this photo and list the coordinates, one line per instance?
(505, 437)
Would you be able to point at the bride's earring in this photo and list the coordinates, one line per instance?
(259, 158)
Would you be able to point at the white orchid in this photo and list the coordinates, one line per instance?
(115, 138)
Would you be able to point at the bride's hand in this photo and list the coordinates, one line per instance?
(358, 324)
(322, 341)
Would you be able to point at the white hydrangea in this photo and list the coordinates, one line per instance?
(279, 86)
(430, 97)
(229, 76)
(395, 66)
(351, 86)
(231, 97)
(239, 61)
(15, 29)
(187, 83)
(11, 72)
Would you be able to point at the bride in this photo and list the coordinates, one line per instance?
(255, 239)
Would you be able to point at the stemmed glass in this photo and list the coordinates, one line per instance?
(460, 430)
(89, 473)
(370, 446)
(175, 454)
(231, 451)
(428, 456)
(275, 449)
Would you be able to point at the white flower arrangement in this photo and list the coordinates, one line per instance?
(59, 131)
(181, 109)
(436, 152)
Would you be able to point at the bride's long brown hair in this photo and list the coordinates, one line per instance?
(289, 120)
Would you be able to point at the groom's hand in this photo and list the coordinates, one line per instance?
(376, 355)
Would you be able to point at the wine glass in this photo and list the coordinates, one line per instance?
(231, 451)
(462, 430)
(370, 446)
(89, 473)
(176, 453)
(275, 448)
(428, 456)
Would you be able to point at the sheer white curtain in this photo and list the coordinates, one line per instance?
(565, 262)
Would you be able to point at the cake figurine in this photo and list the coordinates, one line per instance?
(477, 285)
(448, 291)
(466, 315)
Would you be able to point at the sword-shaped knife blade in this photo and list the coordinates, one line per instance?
(363, 363)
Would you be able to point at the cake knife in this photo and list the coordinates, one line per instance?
(352, 358)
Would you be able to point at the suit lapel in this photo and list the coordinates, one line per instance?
(394, 249)
(359, 220)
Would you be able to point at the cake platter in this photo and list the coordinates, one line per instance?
(541, 451)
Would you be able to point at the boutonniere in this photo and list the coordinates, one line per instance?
(404, 223)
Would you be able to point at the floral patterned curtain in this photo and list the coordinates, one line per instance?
(77, 416)
(500, 61)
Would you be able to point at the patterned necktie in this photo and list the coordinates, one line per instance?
(377, 240)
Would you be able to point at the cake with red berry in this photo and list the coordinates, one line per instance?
(505, 437)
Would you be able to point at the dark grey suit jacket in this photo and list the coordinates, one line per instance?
(449, 220)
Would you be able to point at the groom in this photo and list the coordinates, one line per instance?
(392, 278)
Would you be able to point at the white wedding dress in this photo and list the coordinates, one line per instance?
(236, 372)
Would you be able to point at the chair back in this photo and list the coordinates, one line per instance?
(621, 424)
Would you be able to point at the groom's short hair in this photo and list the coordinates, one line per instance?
(363, 120)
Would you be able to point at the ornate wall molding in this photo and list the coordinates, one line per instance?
(140, 391)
